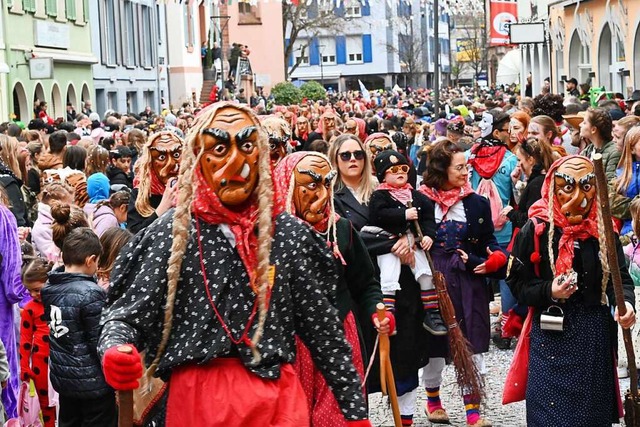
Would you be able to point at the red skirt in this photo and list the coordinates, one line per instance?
(324, 409)
(224, 393)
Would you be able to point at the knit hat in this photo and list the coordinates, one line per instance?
(385, 160)
(97, 187)
(441, 126)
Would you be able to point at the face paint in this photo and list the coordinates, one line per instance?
(575, 189)
(229, 162)
(166, 152)
(313, 181)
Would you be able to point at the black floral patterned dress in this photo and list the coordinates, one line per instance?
(305, 274)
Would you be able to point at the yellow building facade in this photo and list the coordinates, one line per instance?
(596, 42)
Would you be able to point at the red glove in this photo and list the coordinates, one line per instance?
(359, 423)
(122, 370)
(392, 320)
(495, 261)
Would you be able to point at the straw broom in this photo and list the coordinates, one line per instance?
(467, 374)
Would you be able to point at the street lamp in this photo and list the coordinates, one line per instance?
(320, 46)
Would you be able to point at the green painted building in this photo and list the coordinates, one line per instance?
(49, 56)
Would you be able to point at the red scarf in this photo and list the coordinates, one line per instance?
(486, 158)
(446, 198)
(157, 187)
(588, 227)
(207, 206)
(401, 194)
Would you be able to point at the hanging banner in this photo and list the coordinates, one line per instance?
(502, 14)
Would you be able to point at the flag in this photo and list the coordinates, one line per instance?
(365, 93)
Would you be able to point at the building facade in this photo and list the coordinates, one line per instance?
(4, 71)
(379, 43)
(129, 37)
(49, 55)
(596, 42)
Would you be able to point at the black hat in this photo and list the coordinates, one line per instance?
(635, 96)
(616, 114)
(572, 80)
(36, 124)
(120, 151)
(385, 160)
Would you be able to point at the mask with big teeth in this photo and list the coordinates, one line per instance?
(166, 152)
(575, 189)
(229, 162)
(313, 181)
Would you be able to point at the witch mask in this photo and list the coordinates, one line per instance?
(575, 189)
(229, 161)
(165, 151)
(313, 181)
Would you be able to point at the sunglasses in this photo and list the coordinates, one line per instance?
(399, 169)
(345, 156)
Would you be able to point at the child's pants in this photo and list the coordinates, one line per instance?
(390, 272)
(99, 412)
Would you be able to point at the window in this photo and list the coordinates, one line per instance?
(112, 101)
(146, 43)
(248, 14)
(354, 49)
(328, 51)
(132, 102)
(29, 5)
(187, 20)
(129, 34)
(353, 12)
(301, 52)
(110, 38)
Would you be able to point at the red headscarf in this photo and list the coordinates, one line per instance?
(588, 227)
(207, 206)
(157, 187)
(446, 198)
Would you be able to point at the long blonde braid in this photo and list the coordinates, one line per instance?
(182, 225)
(551, 232)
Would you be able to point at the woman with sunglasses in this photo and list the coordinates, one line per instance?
(355, 183)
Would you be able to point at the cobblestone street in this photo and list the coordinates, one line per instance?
(497, 363)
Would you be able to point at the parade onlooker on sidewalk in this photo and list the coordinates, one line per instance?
(11, 292)
(562, 270)
(596, 128)
(119, 169)
(42, 234)
(34, 337)
(73, 304)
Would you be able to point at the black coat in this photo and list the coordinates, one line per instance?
(530, 195)
(12, 186)
(118, 177)
(73, 304)
(389, 214)
(135, 221)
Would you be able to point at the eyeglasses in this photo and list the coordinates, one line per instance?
(399, 169)
(345, 156)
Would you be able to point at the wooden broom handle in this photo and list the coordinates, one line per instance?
(125, 398)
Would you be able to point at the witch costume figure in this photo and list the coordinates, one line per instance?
(559, 268)
(155, 170)
(304, 187)
(217, 289)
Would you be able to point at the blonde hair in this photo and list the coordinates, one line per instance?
(367, 182)
(631, 139)
(182, 223)
(9, 153)
(143, 170)
(634, 209)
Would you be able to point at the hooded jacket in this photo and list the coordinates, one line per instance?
(42, 234)
(12, 186)
(73, 304)
(118, 177)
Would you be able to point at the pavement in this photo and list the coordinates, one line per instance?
(497, 363)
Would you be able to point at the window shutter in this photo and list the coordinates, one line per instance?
(341, 49)
(365, 8)
(367, 54)
(70, 5)
(51, 7)
(290, 59)
(314, 52)
(312, 12)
